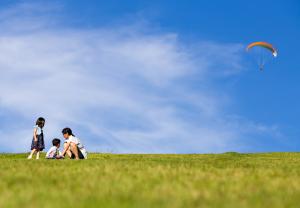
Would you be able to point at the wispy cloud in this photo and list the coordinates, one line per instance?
(119, 88)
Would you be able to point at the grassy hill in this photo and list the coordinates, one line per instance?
(109, 180)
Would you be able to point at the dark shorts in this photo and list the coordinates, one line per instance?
(80, 155)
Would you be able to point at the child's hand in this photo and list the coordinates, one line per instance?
(59, 157)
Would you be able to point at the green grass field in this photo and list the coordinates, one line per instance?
(109, 180)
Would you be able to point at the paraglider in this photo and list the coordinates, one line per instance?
(262, 52)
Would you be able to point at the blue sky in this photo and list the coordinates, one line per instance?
(150, 76)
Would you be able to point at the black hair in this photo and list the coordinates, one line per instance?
(40, 122)
(67, 131)
(55, 142)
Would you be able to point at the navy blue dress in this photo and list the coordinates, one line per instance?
(39, 145)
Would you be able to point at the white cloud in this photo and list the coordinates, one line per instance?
(120, 89)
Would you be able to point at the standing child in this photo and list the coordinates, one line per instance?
(37, 144)
(54, 152)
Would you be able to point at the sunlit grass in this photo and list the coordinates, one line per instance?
(109, 180)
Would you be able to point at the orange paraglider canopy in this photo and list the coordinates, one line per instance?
(264, 45)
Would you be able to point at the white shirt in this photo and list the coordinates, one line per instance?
(79, 145)
(53, 152)
(38, 130)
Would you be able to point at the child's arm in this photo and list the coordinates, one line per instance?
(34, 134)
(65, 148)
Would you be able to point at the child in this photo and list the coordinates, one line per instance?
(73, 146)
(37, 143)
(54, 152)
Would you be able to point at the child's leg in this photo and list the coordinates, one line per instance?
(74, 150)
(37, 155)
(31, 153)
(68, 150)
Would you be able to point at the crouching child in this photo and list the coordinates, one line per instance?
(73, 148)
(53, 152)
